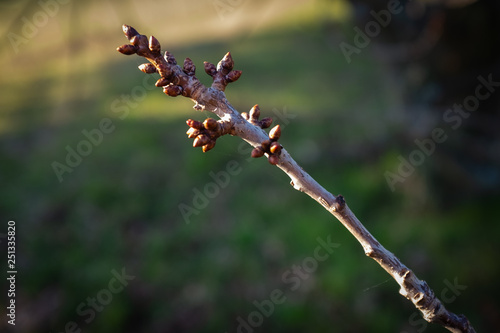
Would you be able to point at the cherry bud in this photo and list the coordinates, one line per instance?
(154, 44)
(148, 68)
(127, 49)
(233, 76)
(266, 122)
(210, 124)
(169, 57)
(210, 68)
(194, 124)
(275, 133)
(201, 140)
(208, 146)
(129, 31)
(273, 159)
(255, 112)
(162, 82)
(275, 148)
(257, 152)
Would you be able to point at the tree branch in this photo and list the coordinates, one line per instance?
(182, 81)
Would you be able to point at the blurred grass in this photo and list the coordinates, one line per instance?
(119, 208)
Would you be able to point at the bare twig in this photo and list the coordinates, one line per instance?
(182, 81)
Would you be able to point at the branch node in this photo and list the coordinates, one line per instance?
(199, 107)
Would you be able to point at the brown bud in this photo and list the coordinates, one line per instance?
(208, 146)
(266, 122)
(265, 145)
(129, 31)
(192, 132)
(339, 203)
(226, 64)
(275, 133)
(148, 68)
(194, 124)
(255, 112)
(233, 76)
(273, 159)
(275, 148)
(257, 152)
(169, 57)
(154, 44)
(201, 140)
(210, 68)
(189, 67)
(127, 49)
(135, 40)
(245, 115)
(163, 81)
(210, 124)
(172, 90)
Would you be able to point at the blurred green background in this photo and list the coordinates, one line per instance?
(345, 122)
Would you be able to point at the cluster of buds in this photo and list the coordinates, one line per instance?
(169, 88)
(148, 48)
(253, 117)
(151, 50)
(270, 147)
(223, 74)
(206, 133)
